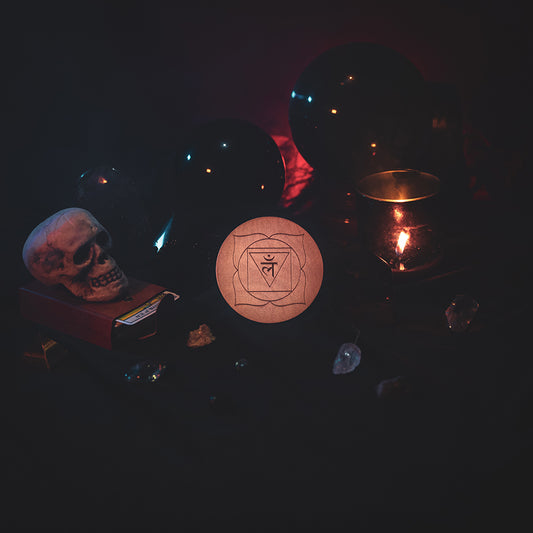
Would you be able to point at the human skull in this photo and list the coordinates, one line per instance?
(71, 248)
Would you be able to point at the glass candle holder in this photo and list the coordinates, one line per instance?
(399, 218)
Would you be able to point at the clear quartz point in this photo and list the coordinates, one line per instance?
(347, 359)
(145, 372)
(461, 312)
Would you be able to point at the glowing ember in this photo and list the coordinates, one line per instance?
(402, 241)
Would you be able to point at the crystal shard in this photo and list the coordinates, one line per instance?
(461, 312)
(347, 359)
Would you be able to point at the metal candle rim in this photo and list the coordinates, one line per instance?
(429, 182)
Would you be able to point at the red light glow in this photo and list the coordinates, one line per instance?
(298, 173)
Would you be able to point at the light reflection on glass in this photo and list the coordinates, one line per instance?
(162, 239)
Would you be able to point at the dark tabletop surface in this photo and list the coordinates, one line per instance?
(286, 443)
(286, 440)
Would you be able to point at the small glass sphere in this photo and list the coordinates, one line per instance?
(114, 198)
(359, 108)
(145, 372)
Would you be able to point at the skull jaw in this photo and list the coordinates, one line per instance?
(105, 293)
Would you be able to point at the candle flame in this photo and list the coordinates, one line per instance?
(402, 241)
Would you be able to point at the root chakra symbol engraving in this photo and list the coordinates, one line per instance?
(269, 269)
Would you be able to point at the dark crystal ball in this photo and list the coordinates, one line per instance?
(225, 172)
(227, 165)
(360, 108)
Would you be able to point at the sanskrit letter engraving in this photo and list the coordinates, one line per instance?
(270, 263)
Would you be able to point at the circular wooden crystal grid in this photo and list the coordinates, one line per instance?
(269, 269)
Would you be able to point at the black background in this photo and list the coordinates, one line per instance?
(118, 83)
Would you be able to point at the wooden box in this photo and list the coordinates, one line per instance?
(102, 323)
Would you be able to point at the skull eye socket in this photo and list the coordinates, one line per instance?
(103, 239)
(82, 254)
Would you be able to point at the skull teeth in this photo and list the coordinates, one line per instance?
(106, 279)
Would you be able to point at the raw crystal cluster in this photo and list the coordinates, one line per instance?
(200, 337)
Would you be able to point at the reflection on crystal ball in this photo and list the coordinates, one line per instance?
(114, 198)
(358, 108)
(186, 253)
(228, 164)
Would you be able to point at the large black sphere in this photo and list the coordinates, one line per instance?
(228, 164)
(225, 172)
(360, 108)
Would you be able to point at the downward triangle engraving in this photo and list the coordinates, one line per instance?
(269, 264)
